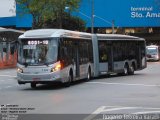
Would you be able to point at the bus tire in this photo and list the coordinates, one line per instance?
(125, 70)
(89, 74)
(70, 79)
(131, 70)
(33, 85)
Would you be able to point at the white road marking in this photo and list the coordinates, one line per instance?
(121, 108)
(94, 114)
(8, 86)
(99, 110)
(104, 109)
(2, 80)
(147, 112)
(125, 84)
(7, 76)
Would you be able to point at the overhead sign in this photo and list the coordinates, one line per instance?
(124, 13)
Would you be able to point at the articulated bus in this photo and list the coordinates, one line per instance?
(50, 55)
(153, 53)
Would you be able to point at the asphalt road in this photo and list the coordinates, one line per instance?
(136, 94)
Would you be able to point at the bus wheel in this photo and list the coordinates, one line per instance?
(89, 74)
(131, 70)
(125, 70)
(68, 83)
(33, 85)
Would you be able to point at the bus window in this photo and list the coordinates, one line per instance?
(103, 51)
(37, 52)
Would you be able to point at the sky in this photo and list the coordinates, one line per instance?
(7, 8)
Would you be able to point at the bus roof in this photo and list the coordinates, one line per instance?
(10, 30)
(47, 33)
(9, 35)
(117, 37)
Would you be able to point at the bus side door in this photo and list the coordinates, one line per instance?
(110, 56)
(76, 59)
(140, 54)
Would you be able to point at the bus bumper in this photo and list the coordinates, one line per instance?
(39, 79)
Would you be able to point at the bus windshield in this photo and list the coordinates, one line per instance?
(37, 51)
(152, 51)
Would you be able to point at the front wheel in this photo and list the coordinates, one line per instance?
(68, 83)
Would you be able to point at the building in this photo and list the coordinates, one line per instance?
(135, 17)
(8, 47)
(8, 37)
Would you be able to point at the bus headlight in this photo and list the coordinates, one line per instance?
(56, 68)
(20, 70)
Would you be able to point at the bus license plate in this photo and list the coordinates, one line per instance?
(36, 79)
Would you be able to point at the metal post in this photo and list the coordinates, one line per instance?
(92, 18)
(112, 26)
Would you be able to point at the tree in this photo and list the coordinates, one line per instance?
(58, 8)
(33, 7)
(45, 10)
(68, 22)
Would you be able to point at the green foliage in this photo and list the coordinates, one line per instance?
(68, 22)
(34, 7)
(48, 10)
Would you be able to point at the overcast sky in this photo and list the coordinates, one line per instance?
(7, 8)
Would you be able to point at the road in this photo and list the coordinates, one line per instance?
(136, 94)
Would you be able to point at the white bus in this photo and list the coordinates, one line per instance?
(50, 55)
(153, 53)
